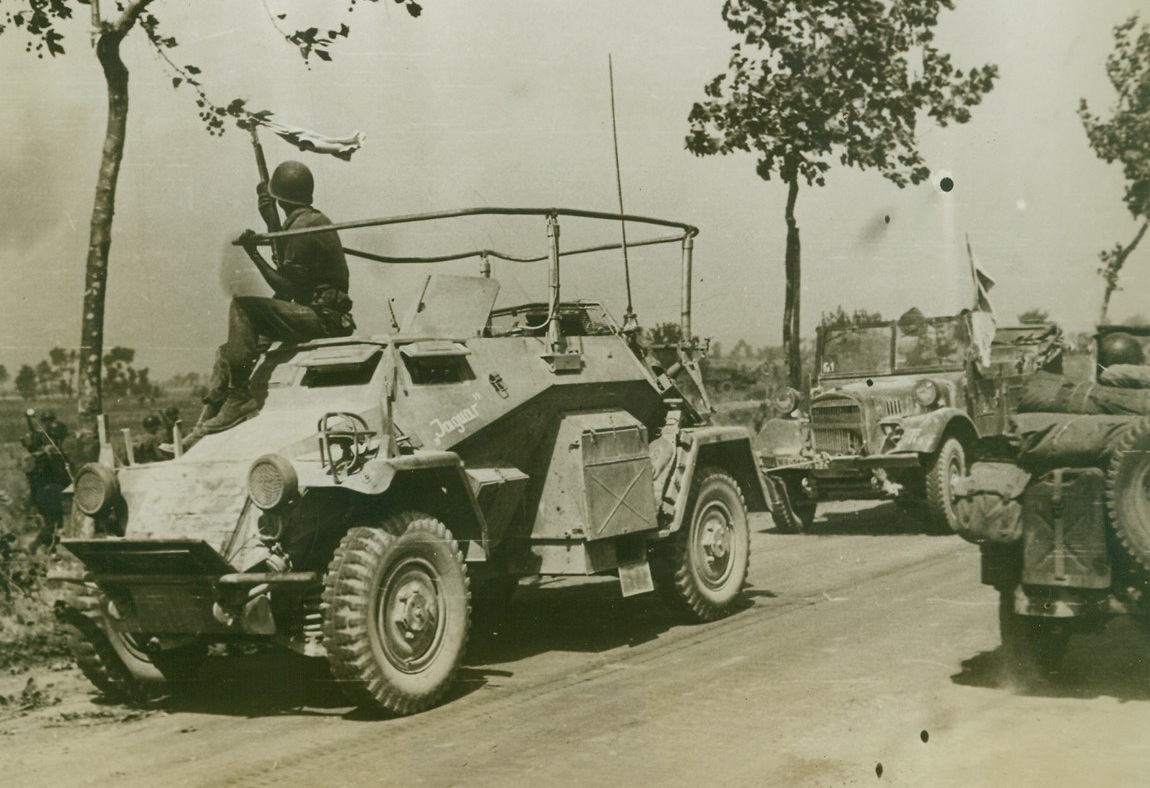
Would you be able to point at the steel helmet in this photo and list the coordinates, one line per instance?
(1119, 348)
(152, 422)
(292, 182)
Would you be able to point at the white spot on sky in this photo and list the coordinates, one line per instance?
(1021, 204)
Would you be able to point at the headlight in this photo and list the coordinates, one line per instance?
(95, 489)
(926, 392)
(272, 481)
(786, 400)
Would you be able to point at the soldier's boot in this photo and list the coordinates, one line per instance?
(237, 408)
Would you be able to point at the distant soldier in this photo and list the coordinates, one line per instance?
(146, 448)
(46, 469)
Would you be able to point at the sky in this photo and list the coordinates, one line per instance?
(505, 103)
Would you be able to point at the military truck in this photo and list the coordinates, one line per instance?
(894, 410)
(390, 484)
(1067, 548)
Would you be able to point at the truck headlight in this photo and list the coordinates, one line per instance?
(926, 392)
(272, 481)
(785, 400)
(95, 489)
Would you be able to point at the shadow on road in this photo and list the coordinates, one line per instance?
(884, 519)
(1111, 663)
(583, 617)
(550, 616)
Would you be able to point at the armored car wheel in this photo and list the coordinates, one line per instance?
(942, 474)
(396, 612)
(702, 567)
(113, 661)
(1032, 646)
(1128, 493)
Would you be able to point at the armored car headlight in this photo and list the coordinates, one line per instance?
(95, 489)
(272, 481)
(926, 392)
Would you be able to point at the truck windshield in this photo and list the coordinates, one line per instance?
(857, 351)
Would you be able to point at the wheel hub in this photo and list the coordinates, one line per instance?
(410, 617)
(714, 543)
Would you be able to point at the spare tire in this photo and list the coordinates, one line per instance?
(1128, 492)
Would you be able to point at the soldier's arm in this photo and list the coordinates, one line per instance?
(280, 284)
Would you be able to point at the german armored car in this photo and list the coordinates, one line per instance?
(390, 484)
(895, 408)
(1061, 513)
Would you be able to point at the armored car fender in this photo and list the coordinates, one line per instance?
(726, 447)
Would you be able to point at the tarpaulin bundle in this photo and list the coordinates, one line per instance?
(1058, 440)
(1127, 376)
(1047, 393)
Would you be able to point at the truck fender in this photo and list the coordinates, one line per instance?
(922, 433)
(728, 448)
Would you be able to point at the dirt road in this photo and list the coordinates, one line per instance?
(868, 655)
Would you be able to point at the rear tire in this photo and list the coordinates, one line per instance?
(1128, 493)
(113, 661)
(703, 566)
(944, 470)
(396, 613)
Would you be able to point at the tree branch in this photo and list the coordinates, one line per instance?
(121, 26)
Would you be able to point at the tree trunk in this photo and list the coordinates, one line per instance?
(100, 229)
(791, 338)
(1113, 269)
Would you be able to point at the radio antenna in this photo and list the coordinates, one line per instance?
(630, 322)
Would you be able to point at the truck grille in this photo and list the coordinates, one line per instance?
(837, 427)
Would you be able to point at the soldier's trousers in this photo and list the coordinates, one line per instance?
(250, 318)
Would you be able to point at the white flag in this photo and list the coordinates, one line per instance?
(982, 319)
(340, 147)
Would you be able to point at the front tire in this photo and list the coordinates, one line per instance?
(795, 512)
(943, 472)
(704, 564)
(113, 661)
(396, 613)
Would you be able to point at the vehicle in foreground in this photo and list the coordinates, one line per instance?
(1062, 517)
(392, 485)
(894, 412)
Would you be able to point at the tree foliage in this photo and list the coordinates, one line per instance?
(1125, 138)
(1035, 316)
(831, 81)
(840, 318)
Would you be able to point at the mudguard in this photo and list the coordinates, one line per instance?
(445, 467)
(922, 433)
(726, 447)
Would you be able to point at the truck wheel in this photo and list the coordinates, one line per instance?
(702, 567)
(113, 661)
(943, 472)
(1128, 492)
(1032, 646)
(795, 512)
(396, 613)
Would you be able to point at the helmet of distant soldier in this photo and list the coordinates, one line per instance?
(1119, 348)
(172, 414)
(292, 182)
(152, 422)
